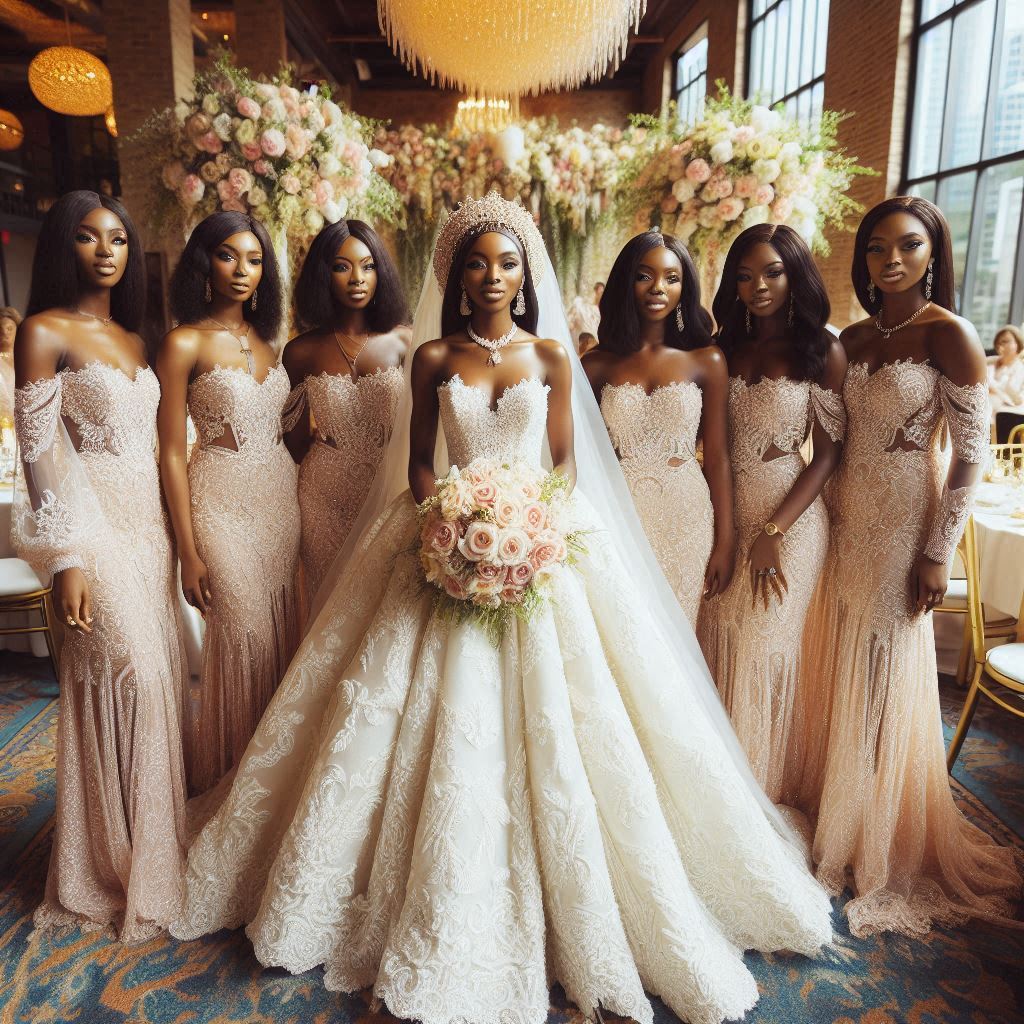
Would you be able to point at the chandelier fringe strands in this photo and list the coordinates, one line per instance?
(528, 47)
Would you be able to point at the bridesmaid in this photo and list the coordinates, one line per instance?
(234, 510)
(346, 376)
(888, 827)
(786, 375)
(661, 384)
(92, 518)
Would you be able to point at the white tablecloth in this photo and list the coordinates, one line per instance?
(191, 619)
(1000, 546)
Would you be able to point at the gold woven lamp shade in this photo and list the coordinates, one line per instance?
(12, 134)
(518, 49)
(71, 81)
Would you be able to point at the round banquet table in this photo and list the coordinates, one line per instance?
(192, 621)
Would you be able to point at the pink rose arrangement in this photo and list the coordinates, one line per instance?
(492, 537)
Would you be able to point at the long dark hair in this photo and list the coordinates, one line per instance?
(619, 331)
(314, 302)
(191, 275)
(452, 320)
(55, 280)
(942, 250)
(811, 308)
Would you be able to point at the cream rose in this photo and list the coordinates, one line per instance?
(513, 546)
(507, 512)
(480, 541)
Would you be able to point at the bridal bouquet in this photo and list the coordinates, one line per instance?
(491, 538)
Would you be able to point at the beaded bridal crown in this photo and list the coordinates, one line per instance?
(488, 214)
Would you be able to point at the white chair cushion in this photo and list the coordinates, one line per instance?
(956, 594)
(17, 577)
(1009, 660)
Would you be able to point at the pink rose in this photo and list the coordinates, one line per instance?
(272, 142)
(511, 594)
(730, 208)
(520, 574)
(240, 181)
(209, 143)
(764, 195)
(192, 189)
(698, 170)
(252, 151)
(248, 107)
(530, 490)
(291, 184)
(323, 193)
(296, 143)
(506, 512)
(485, 493)
(440, 537)
(488, 572)
(480, 542)
(746, 186)
(261, 167)
(454, 588)
(513, 547)
(224, 190)
(743, 134)
(781, 209)
(535, 516)
(547, 552)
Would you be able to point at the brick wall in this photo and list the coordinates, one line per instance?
(259, 39)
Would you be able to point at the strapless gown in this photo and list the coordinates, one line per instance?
(459, 823)
(353, 423)
(655, 437)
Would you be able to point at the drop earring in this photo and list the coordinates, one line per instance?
(208, 295)
(252, 305)
(871, 292)
(928, 280)
(679, 317)
(519, 308)
(748, 320)
(789, 318)
(464, 309)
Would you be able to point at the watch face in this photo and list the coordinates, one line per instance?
(771, 529)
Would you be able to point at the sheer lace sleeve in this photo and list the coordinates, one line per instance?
(55, 511)
(829, 410)
(295, 407)
(966, 409)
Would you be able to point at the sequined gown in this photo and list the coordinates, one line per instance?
(753, 652)
(353, 423)
(655, 437)
(245, 518)
(119, 833)
(444, 818)
(888, 825)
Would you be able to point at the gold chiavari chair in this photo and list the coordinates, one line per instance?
(998, 673)
(1016, 435)
(21, 593)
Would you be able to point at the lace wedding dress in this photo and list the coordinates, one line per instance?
(353, 423)
(119, 838)
(655, 436)
(458, 823)
(754, 652)
(245, 517)
(888, 824)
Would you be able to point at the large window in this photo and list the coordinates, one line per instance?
(690, 76)
(786, 59)
(966, 150)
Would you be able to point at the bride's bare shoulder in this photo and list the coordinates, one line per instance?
(551, 351)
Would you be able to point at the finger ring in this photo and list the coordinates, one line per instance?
(70, 620)
(771, 571)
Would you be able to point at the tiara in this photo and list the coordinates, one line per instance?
(488, 214)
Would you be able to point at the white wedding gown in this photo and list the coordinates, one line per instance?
(460, 824)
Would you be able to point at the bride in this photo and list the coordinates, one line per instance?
(459, 823)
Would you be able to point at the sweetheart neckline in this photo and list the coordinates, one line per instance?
(457, 378)
(650, 394)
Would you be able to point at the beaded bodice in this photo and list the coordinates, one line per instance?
(653, 427)
(229, 399)
(513, 430)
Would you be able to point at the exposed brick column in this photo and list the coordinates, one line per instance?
(875, 92)
(259, 35)
(149, 51)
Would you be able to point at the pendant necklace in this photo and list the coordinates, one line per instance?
(95, 316)
(338, 335)
(243, 342)
(492, 346)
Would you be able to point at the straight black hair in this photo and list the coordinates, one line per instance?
(942, 250)
(191, 275)
(619, 330)
(55, 280)
(811, 308)
(316, 306)
(452, 321)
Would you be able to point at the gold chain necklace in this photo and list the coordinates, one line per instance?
(888, 332)
(351, 362)
(95, 316)
(243, 341)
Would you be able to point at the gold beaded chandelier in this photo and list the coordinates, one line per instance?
(522, 49)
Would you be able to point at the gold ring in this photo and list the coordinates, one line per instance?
(71, 621)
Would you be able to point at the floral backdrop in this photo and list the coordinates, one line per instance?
(296, 160)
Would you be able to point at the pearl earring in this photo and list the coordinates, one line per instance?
(464, 309)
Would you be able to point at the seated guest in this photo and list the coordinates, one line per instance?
(584, 318)
(1006, 380)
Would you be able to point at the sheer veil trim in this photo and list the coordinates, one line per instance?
(600, 478)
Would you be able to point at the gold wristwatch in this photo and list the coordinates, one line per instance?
(772, 530)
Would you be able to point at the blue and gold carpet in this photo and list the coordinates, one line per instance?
(968, 975)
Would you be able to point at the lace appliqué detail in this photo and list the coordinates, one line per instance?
(948, 525)
(967, 413)
(829, 410)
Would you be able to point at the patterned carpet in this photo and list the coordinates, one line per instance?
(970, 975)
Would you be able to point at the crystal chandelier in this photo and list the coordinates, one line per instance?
(481, 114)
(502, 53)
